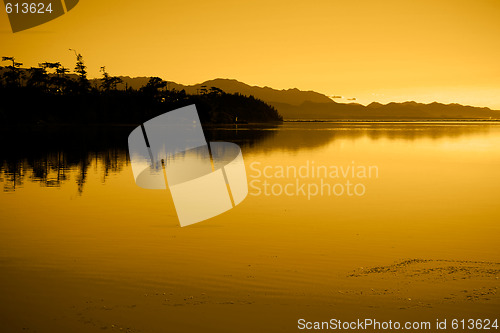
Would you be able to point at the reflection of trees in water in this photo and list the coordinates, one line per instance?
(52, 156)
(53, 169)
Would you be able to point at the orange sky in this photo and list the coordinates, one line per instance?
(384, 50)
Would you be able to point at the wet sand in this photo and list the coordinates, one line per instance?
(417, 289)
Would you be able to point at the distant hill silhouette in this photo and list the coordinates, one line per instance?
(310, 105)
(391, 111)
(270, 95)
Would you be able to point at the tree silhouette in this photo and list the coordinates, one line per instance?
(62, 71)
(216, 91)
(13, 76)
(53, 79)
(37, 77)
(155, 84)
(81, 70)
(50, 95)
(10, 59)
(109, 82)
(61, 80)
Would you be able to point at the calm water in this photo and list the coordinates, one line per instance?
(71, 214)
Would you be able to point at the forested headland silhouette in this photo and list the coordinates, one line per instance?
(55, 120)
(51, 94)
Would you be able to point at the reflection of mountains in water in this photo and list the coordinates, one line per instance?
(54, 155)
(300, 135)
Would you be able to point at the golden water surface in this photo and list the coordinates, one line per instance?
(83, 249)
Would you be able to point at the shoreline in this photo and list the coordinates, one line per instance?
(209, 125)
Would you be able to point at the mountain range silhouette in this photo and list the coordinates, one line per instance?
(311, 105)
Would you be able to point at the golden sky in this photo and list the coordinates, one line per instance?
(384, 50)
